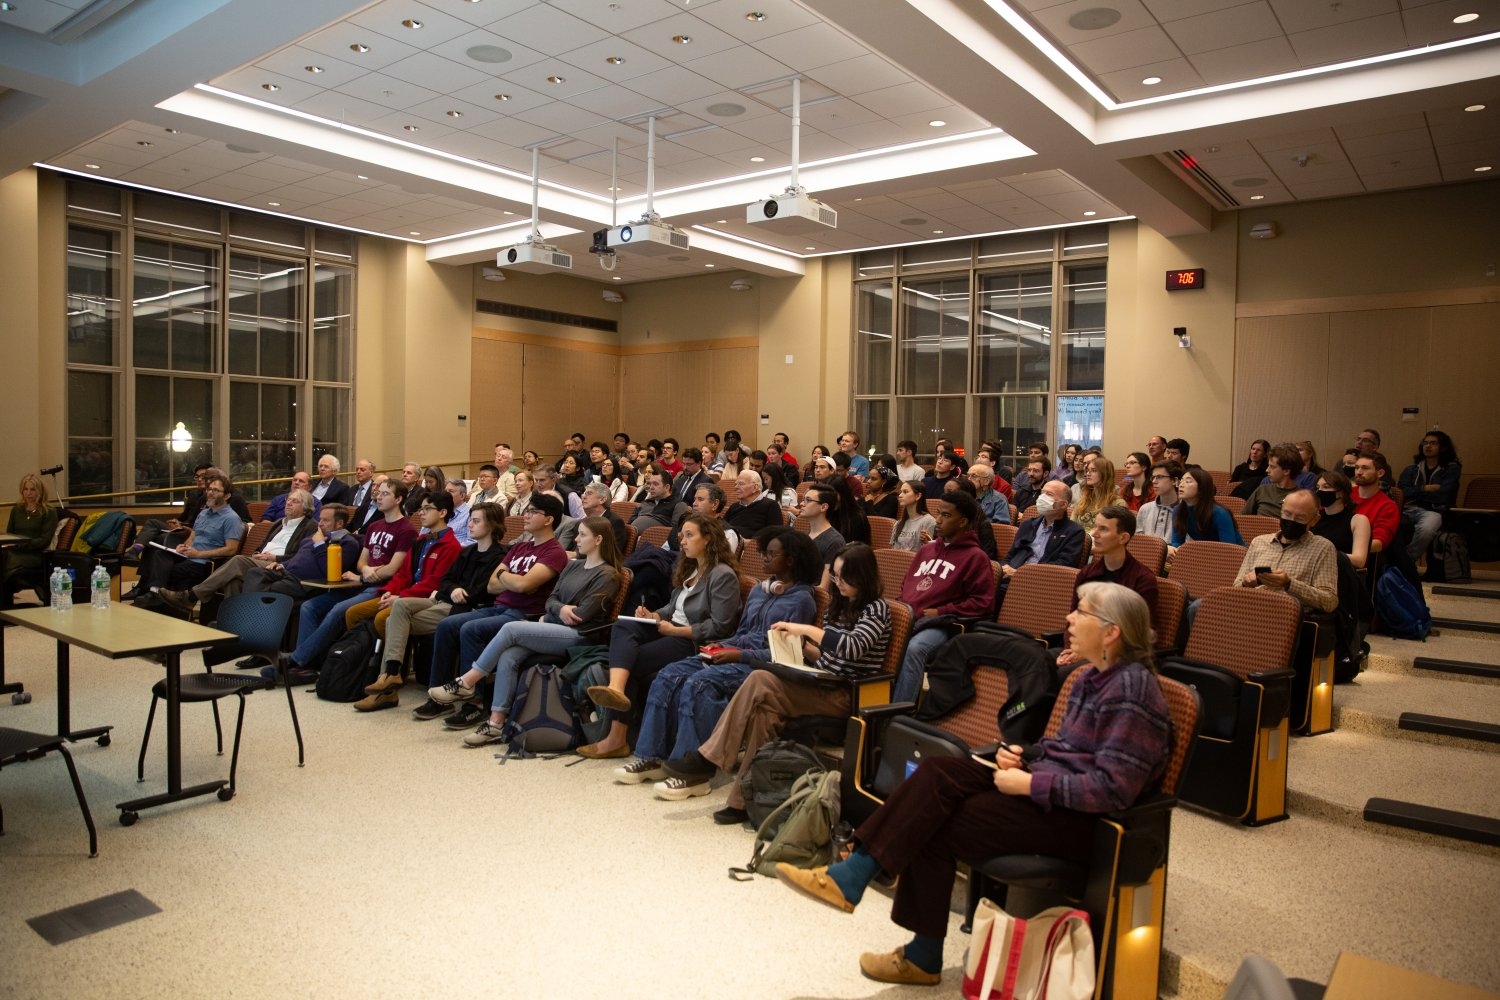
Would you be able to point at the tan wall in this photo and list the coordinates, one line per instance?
(33, 438)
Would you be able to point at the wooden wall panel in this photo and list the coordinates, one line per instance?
(565, 391)
(685, 394)
(1463, 357)
(494, 406)
(1375, 363)
(1281, 379)
(733, 401)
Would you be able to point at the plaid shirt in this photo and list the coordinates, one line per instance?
(1310, 562)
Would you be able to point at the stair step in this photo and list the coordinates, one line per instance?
(1465, 728)
(1466, 625)
(1428, 819)
(1450, 590)
(1375, 704)
(1469, 668)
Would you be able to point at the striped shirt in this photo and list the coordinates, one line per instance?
(858, 650)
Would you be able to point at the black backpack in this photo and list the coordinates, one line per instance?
(775, 767)
(350, 665)
(1448, 559)
(541, 714)
(588, 666)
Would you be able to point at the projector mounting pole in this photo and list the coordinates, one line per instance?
(536, 231)
(795, 187)
(650, 215)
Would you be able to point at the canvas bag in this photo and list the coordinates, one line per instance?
(773, 771)
(800, 830)
(1047, 957)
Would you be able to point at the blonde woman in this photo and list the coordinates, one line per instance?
(524, 485)
(1095, 490)
(36, 522)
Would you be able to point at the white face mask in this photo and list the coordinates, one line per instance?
(1045, 504)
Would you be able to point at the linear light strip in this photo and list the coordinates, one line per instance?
(911, 243)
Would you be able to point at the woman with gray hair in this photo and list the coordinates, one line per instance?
(1042, 799)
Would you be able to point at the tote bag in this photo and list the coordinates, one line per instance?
(1047, 957)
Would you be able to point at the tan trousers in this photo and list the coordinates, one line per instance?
(399, 621)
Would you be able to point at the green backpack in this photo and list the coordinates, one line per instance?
(800, 830)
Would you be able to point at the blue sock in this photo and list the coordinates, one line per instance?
(854, 873)
(926, 953)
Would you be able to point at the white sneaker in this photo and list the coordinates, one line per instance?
(677, 789)
(638, 771)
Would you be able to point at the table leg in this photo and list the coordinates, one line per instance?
(15, 689)
(64, 708)
(175, 792)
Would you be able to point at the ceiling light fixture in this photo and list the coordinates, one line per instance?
(937, 123)
(411, 23)
(502, 97)
(937, 232)
(1465, 18)
(6, 7)
(414, 233)
(615, 278)
(756, 15)
(274, 204)
(410, 128)
(362, 177)
(809, 248)
(1151, 81)
(359, 47)
(757, 159)
(1483, 170)
(1257, 197)
(270, 87)
(1089, 214)
(615, 60)
(170, 131)
(554, 79)
(682, 39)
(91, 166)
(143, 144)
(1475, 107)
(454, 114)
(313, 69)
(710, 265)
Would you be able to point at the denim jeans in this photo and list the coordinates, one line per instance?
(684, 704)
(919, 649)
(451, 655)
(320, 622)
(517, 641)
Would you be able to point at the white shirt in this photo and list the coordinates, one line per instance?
(278, 543)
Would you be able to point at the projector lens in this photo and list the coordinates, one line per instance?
(771, 209)
(625, 234)
(510, 255)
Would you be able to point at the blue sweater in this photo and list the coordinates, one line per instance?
(763, 609)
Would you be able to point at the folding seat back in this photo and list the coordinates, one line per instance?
(751, 561)
(894, 564)
(656, 535)
(1038, 600)
(1005, 537)
(624, 509)
(1149, 551)
(1221, 481)
(627, 544)
(255, 536)
(1483, 493)
(258, 508)
(1239, 767)
(513, 528)
(880, 531)
(1255, 525)
(1166, 620)
(1233, 504)
(1202, 566)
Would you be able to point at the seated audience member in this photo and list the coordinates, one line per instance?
(608, 474)
(276, 509)
(310, 559)
(530, 460)
(703, 609)
(1198, 516)
(1051, 538)
(1370, 470)
(1302, 564)
(521, 583)
(906, 463)
(1156, 515)
(1248, 476)
(1367, 440)
(652, 568)
(1156, 449)
(949, 576)
(434, 480)
(154, 529)
(1135, 487)
(413, 481)
(784, 444)
(1283, 466)
(229, 578)
(847, 515)
(815, 470)
(1113, 746)
(955, 453)
(992, 502)
(598, 452)
(34, 522)
(215, 534)
(943, 470)
(1094, 491)
(753, 508)
(1429, 486)
(547, 480)
(691, 477)
(659, 506)
(1346, 464)
(361, 516)
(776, 458)
(982, 531)
(621, 446)
(688, 696)
(506, 463)
(669, 460)
(849, 445)
(1349, 532)
(851, 643)
(774, 477)
(881, 488)
(581, 603)
(1028, 484)
(843, 470)
(359, 490)
(320, 619)
(595, 501)
(1112, 563)
(1308, 478)
(714, 444)
(755, 461)
(818, 505)
(1177, 451)
(571, 475)
(329, 488)
(461, 589)
(525, 487)
(915, 527)
(458, 523)
(487, 485)
(1064, 468)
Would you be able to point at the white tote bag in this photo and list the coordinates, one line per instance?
(1048, 957)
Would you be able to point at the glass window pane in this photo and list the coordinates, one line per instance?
(872, 422)
(1086, 240)
(925, 419)
(265, 316)
(1080, 420)
(267, 229)
(333, 323)
(93, 295)
(935, 345)
(96, 200)
(244, 410)
(330, 418)
(1014, 421)
(928, 255)
(278, 413)
(1014, 336)
(153, 406)
(176, 305)
(1083, 339)
(161, 403)
(875, 263)
(1015, 248)
(334, 242)
(91, 421)
(874, 338)
(191, 218)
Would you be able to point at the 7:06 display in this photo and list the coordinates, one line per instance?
(1185, 278)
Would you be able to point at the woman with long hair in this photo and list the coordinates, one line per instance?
(1309, 455)
(571, 475)
(1349, 532)
(1095, 490)
(619, 489)
(703, 608)
(1135, 481)
(1198, 516)
(914, 526)
(851, 643)
(36, 523)
(582, 602)
(1253, 468)
(774, 477)
(1044, 799)
(808, 470)
(848, 517)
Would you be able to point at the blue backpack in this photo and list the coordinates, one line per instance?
(1403, 613)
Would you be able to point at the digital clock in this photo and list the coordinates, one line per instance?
(1184, 278)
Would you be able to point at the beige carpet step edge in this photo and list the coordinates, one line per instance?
(1395, 656)
(1385, 695)
(1387, 728)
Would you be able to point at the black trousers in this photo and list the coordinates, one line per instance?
(640, 649)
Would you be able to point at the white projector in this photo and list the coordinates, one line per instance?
(534, 257)
(794, 213)
(656, 238)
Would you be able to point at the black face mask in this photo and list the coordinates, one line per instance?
(1292, 530)
(1348, 472)
(1327, 498)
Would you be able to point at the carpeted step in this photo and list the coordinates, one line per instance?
(1375, 703)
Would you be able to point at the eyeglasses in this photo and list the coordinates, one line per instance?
(426, 507)
(1097, 617)
(532, 511)
(1160, 477)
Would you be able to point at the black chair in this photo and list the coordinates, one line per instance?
(259, 620)
(17, 745)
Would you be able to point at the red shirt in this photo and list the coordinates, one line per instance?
(1383, 514)
(385, 538)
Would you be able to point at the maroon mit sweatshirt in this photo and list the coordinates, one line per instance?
(952, 578)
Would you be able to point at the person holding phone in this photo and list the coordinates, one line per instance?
(1295, 561)
(1045, 799)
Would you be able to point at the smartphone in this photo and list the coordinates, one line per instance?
(1261, 570)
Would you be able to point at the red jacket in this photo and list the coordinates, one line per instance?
(423, 569)
(953, 578)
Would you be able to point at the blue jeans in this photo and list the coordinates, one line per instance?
(919, 649)
(448, 641)
(1425, 526)
(684, 704)
(517, 641)
(320, 621)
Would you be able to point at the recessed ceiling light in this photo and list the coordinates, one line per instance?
(274, 204)
(710, 265)
(809, 248)
(454, 114)
(7, 7)
(143, 144)
(270, 86)
(359, 47)
(937, 123)
(757, 159)
(617, 277)
(555, 79)
(721, 222)
(1483, 170)
(410, 128)
(682, 39)
(756, 15)
(615, 60)
(411, 23)
(170, 131)
(502, 97)
(1257, 197)
(1089, 215)
(91, 166)
(1475, 107)
(362, 177)
(937, 232)
(1151, 81)
(1465, 18)
(504, 212)
(414, 233)
(313, 69)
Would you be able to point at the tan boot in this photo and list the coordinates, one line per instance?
(384, 683)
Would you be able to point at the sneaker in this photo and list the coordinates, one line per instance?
(484, 735)
(384, 683)
(375, 702)
(639, 770)
(451, 693)
(429, 710)
(181, 600)
(677, 789)
(468, 716)
(730, 816)
(249, 662)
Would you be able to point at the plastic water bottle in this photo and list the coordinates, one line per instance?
(62, 590)
(99, 588)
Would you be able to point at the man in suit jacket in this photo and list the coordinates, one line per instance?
(362, 490)
(690, 478)
(329, 488)
(229, 578)
(1051, 538)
